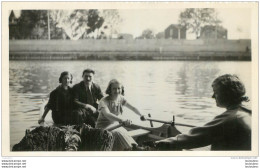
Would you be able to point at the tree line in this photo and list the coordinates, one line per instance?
(94, 23)
(67, 24)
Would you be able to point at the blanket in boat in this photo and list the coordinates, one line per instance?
(66, 138)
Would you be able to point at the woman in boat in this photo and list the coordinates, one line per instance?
(60, 102)
(110, 113)
(230, 130)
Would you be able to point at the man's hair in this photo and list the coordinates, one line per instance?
(230, 89)
(88, 71)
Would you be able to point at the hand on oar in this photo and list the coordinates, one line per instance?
(127, 122)
(143, 118)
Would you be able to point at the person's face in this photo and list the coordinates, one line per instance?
(88, 77)
(217, 97)
(116, 89)
(65, 81)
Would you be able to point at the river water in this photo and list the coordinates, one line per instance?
(161, 88)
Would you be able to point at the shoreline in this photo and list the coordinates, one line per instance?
(144, 49)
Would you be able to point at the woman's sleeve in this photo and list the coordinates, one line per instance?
(200, 136)
(51, 102)
(102, 104)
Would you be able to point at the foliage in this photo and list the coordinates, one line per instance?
(195, 18)
(74, 24)
(32, 21)
(112, 21)
(147, 34)
(77, 22)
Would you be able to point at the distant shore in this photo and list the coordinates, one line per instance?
(141, 49)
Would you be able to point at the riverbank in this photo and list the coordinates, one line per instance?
(141, 49)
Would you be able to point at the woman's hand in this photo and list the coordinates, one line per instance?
(143, 118)
(127, 122)
(41, 120)
(166, 144)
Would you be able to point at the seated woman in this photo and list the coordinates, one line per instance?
(230, 130)
(110, 110)
(60, 102)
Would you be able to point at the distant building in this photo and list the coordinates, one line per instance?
(126, 36)
(160, 35)
(213, 32)
(175, 31)
(13, 27)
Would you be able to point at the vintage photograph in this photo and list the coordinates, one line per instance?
(131, 77)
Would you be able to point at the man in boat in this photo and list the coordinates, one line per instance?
(230, 130)
(86, 97)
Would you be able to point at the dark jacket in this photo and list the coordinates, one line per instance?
(81, 95)
(61, 104)
(229, 131)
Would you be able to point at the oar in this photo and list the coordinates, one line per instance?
(110, 128)
(169, 122)
(165, 130)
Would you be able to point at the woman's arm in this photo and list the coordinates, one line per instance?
(109, 115)
(46, 110)
(50, 105)
(134, 109)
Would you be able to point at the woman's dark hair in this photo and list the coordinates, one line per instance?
(114, 81)
(230, 89)
(88, 71)
(64, 74)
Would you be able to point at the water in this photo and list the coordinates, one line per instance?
(162, 88)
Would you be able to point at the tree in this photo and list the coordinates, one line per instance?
(147, 34)
(31, 22)
(76, 23)
(112, 21)
(195, 18)
(94, 20)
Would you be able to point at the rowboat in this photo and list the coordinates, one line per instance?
(143, 134)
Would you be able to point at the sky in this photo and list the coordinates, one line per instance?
(135, 21)
(236, 21)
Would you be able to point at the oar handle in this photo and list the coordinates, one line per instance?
(111, 128)
(160, 121)
(185, 125)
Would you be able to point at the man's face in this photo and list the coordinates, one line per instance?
(88, 78)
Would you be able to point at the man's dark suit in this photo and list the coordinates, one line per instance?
(83, 96)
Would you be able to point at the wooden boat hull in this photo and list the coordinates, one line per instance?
(140, 133)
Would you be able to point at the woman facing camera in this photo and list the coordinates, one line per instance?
(228, 131)
(110, 113)
(60, 102)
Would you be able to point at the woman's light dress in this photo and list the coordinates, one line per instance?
(122, 140)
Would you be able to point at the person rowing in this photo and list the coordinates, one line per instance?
(228, 131)
(110, 113)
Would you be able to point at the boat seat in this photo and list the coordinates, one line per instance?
(138, 132)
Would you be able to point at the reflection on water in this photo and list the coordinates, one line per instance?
(163, 88)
